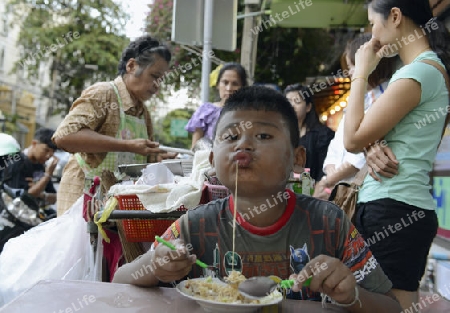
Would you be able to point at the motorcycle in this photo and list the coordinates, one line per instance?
(19, 212)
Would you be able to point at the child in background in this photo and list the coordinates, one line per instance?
(232, 76)
(277, 232)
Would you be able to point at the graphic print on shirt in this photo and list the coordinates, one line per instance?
(232, 261)
(357, 255)
(299, 258)
(355, 248)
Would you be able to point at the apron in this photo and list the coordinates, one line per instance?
(131, 127)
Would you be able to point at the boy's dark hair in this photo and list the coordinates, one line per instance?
(384, 70)
(143, 50)
(44, 135)
(259, 98)
(311, 119)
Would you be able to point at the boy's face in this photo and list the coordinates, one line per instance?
(39, 152)
(261, 142)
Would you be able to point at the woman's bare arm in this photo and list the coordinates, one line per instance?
(362, 129)
(89, 141)
(198, 134)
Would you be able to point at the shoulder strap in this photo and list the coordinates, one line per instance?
(116, 91)
(447, 83)
(361, 175)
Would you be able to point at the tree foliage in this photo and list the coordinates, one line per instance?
(77, 38)
(162, 129)
(285, 55)
(159, 25)
(289, 55)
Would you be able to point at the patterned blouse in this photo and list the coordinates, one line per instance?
(205, 118)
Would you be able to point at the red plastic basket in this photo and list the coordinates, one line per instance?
(217, 191)
(142, 230)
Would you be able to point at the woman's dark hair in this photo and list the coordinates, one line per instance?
(311, 119)
(385, 69)
(239, 69)
(143, 50)
(260, 98)
(420, 12)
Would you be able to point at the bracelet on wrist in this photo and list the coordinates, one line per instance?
(359, 77)
(344, 305)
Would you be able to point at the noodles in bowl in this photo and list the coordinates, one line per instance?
(234, 279)
(216, 296)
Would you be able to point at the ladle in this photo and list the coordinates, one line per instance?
(176, 150)
(261, 286)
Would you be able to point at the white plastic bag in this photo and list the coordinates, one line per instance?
(58, 249)
(155, 174)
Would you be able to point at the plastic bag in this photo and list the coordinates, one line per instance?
(155, 174)
(58, 249)
(89, 202)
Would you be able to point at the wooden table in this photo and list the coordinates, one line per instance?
(96, 297)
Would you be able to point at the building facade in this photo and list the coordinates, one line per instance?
(20, 94)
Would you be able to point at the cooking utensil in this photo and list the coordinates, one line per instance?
(176, 150)
(260, 286)
(180, 167)
(132, 170)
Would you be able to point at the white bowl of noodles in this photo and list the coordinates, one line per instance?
(214, 295)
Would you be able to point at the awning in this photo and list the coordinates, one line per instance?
(328, 13)
(319, 13)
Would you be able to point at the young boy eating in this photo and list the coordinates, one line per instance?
(277, 232)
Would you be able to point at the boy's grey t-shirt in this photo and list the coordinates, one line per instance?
(309, 227)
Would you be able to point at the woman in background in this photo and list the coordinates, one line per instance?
(314, 136)
(341, 165)
(232, 77)
(109, 124)
(416, 91)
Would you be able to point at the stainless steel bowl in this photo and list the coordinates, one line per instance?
(132, 170)
(175, 166)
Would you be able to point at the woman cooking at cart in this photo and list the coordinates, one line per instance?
(109, 124)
